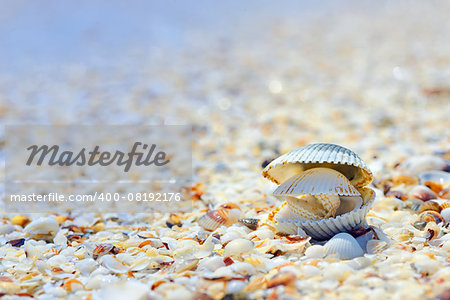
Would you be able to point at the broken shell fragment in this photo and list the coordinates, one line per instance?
(113, 264)
(42, 228)
(102, 249)
(375, 246)
(319, 155)
(315, 251)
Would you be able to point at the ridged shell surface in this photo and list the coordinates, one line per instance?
(319, 155)
(317, 181)
(326, 228)
(344, 246)
(213, 219)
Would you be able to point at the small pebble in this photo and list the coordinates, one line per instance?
(420, 225)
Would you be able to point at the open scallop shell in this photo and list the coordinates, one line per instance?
(317, 181)
(319, 155)
(326, 228)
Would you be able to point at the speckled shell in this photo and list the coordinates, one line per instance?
(326, 228)
(319, 155)
(317, 181)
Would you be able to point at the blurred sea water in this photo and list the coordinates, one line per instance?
(44, 32)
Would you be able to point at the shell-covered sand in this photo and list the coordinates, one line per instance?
(373, 79)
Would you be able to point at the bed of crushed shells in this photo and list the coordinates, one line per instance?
(374, 81)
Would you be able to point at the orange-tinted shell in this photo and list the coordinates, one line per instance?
(431, 216)
(445, 194)
(429, 205)
(434, 186)
(213, 219)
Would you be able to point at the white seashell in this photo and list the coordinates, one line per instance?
(97, 280)
(210, 264)
(186, 265)
(381, 235)
(238, 247)
(319, 155)
(315, 251)
(435, 176)
(261, 234)
(113, 264)
(359, 263)
(86, 266)
(60, 238)
(231, 235)
(344, 246)
(42, 228)
(317, 181)
(363, 239)
(57, 260)
(417, 164)
(243, 268)
(235, 286)
(222, 272)
(326, 228)
(140, 263)
(205, 249)
(349, 203)
(445, 213)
